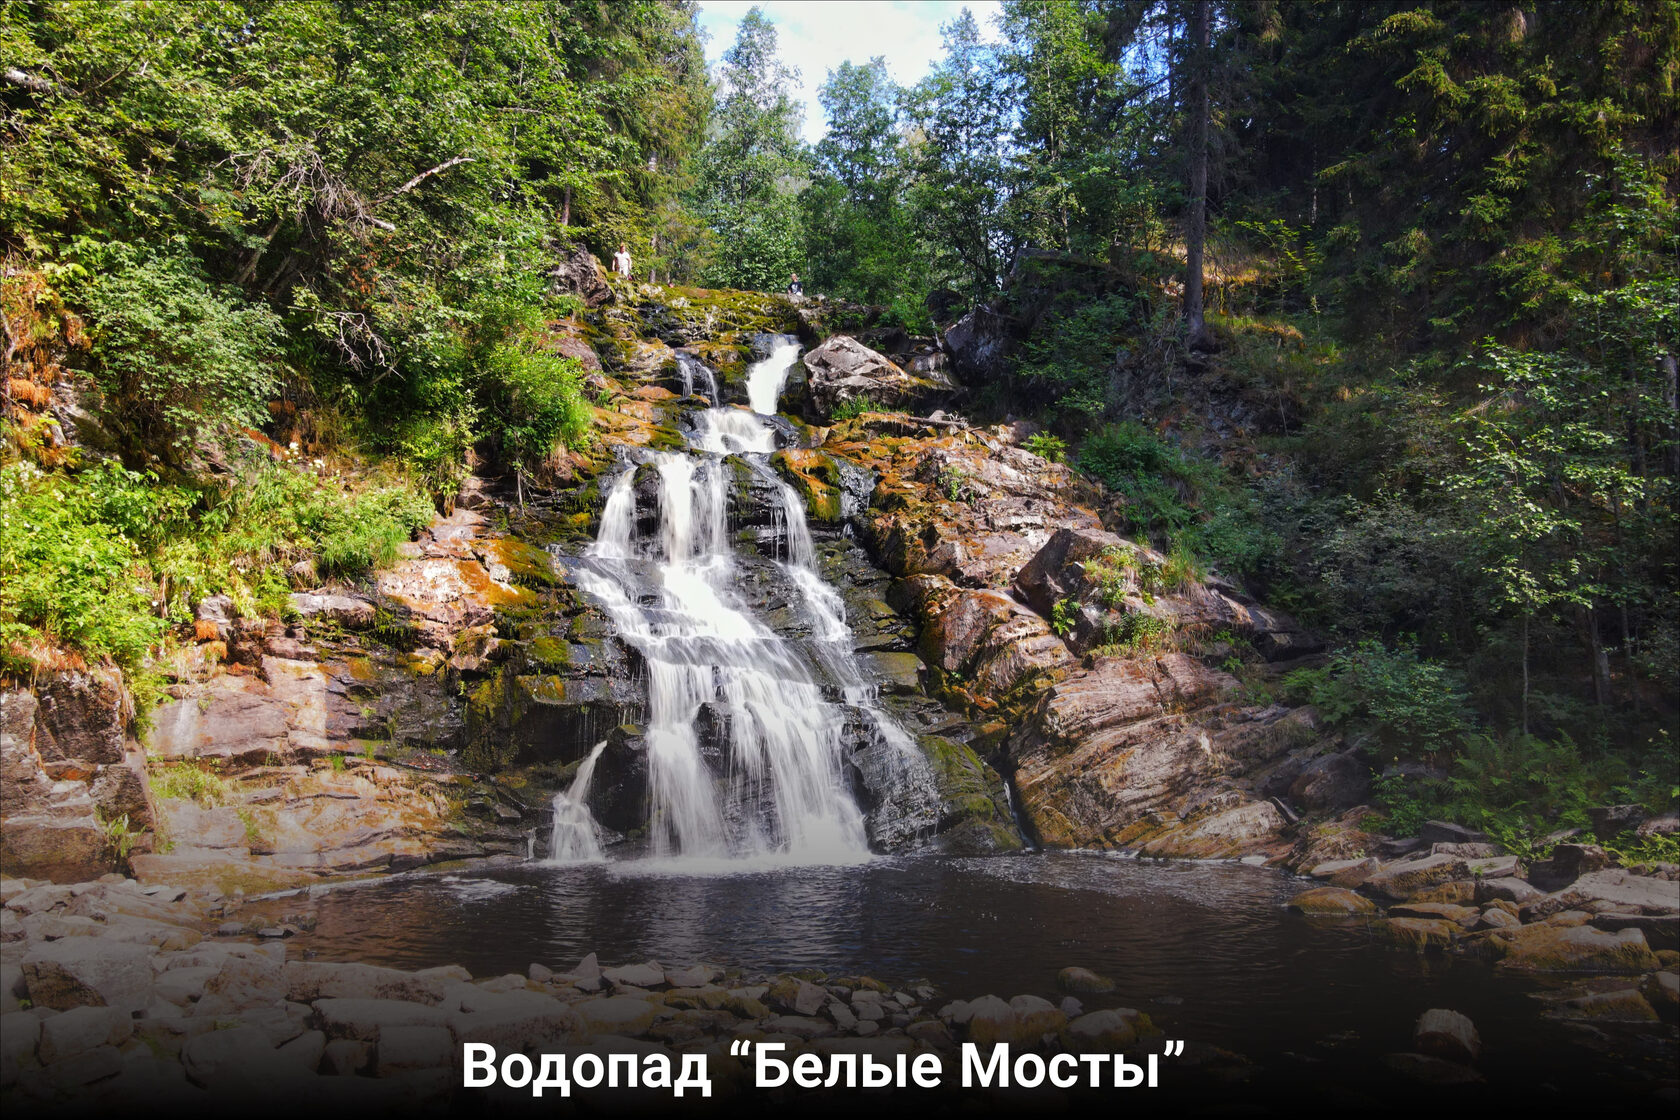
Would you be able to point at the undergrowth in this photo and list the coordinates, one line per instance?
(106, 561)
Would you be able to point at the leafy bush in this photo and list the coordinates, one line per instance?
(1047, 446)
(69, 572)
(1068, 357)
(537, 401)
(1404, 811)
(1402, 704)
(1182, 503)
(186, 781)
(176, 354)
(104, 561)
(855, 407)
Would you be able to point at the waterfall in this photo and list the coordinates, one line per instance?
(689, 366)
(765, 379)
(574, 836)
(766, 778)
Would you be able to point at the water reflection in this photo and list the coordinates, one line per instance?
(1206, 949)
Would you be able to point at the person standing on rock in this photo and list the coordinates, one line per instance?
(621, 260)
(795, 288)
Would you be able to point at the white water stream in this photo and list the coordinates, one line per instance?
(771, 783)
(575, 837)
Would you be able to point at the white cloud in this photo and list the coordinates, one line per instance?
(815, 36)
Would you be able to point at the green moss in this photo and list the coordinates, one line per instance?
(549, 652)
(816, 477)
(527, 565)
(975, 811)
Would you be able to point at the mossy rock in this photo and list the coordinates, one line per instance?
(974, 817)
(527, 565)
(816, 477)
(549, 652)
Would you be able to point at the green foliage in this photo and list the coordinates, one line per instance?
(1047, 446)
(104, 561)
(860, 239)
(1399, 704)
(1173, 497)
(180, 359)
(1403, 810)
(959, 115)
(187, 781)
(71, 573)
(1064, 616)
(1519, 788)
(538, 402)
(953, 482)
(853, 407)
(118, 836)
(1065, 363)
(749, 174)
(1134, 631)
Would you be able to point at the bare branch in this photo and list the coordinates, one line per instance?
(28, 81)
(424, 175)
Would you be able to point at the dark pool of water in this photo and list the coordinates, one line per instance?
(1207, 949)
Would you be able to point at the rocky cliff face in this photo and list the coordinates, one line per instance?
(1092, 662)
(71, 779)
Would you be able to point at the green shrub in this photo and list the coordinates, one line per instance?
(1401, 704)
(1064, 616)
(1047, 446)
(69, 576)
(853, 408)
(186, 781)
(103, 562)
(366, 531)
(1181, 503)
(179, 357)
(536, 400)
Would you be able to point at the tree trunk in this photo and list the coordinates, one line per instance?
(1598, 658)
(566, 208)
(1196, 228)
(1525, 677)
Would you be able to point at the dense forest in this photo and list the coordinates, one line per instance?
(1371, 307)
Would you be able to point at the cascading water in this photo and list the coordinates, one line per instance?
(690, 368)
(767, 778)
(574, 836)
(766, 379)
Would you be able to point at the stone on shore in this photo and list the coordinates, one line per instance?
(626, 1015)
(308, 981)
(80, 1029)
(366, 1019)
(1401, 881)
(1112, 1029)
(1332, 902)
(1447, 1034)
(89, 971)
(1544, 948)
(1083, 981)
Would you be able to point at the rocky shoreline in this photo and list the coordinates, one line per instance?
(118, 993)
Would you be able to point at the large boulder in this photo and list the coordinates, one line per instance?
(579, 273)
(979, 344)
(1332, 783)
(49, 828)
(1548, 948)
(843, 369)
(89, 972)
